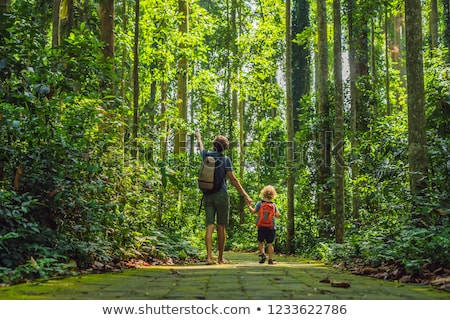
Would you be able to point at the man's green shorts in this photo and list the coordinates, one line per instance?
(217, 207)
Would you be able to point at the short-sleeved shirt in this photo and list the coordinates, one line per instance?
(258, 205)
(228, 165)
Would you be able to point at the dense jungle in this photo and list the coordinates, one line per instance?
(342, 105)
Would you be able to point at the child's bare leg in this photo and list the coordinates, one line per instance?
(261, 247)
(270, 250)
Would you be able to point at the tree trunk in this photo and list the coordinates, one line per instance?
(237, 101)
(182, 91)
(163, 124)
(123, 74)
(353, 116)
(301, 66)
(4, 6)
(339, 124)
(434, 24)
(55, 24)
(136, 82)
(387, 62)
(67, 18)
(241, 152)
(106, 15)
(363, 113)
(324, 192)
(290, 133)
(446, 18)
(395, 47)
(417, 139)
(360, 85)
(373, 61)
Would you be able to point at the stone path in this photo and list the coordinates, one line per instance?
(242, 279)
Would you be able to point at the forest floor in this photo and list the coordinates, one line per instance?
(242, 279)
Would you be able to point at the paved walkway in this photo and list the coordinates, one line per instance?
(242, 279)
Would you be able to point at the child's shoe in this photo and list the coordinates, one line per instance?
(262, 258)
(270, 261)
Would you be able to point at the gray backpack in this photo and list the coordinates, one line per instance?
(212, 173)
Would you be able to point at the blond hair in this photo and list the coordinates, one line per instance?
(269, 193)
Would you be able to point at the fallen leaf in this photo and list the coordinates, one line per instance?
(367, 271)
(277, 278)
(340, 284)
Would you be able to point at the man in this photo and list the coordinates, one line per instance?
(217, 204)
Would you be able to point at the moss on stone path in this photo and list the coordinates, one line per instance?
(242, 279)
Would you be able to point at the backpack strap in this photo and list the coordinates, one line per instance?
(201, 204)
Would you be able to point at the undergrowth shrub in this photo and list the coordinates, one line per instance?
(408, 246)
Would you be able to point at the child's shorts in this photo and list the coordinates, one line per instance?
(266, 234)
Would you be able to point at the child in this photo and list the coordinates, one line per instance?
(266, 233)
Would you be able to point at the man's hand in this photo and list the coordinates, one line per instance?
(198, 136)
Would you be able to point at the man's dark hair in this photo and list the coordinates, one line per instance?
(220, 143)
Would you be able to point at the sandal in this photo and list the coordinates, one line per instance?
(262, 258)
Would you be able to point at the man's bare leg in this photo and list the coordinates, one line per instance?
(208, 242)
(221, 235)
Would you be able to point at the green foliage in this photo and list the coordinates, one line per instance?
(83, 197)
(18, 225)
(414, 249)
(437, 83)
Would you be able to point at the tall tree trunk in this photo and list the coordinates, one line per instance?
(182, 91)
(363, 113)
(4, 6)
(400, 44)
(241, 152)
(359, 74)
(106, 15)
(446, 18)
(55, 24)
(301, 59)
(339, 123)
(290, 132)
(417, 139)
(136, 81)
(66, 18)
(353, 115)
(396, 49)
(434, 24)
(373, 61)
(163, 124)
(324, 192)
(123, 74)
(237, 101)
(387, 62)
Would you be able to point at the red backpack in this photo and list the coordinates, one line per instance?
(266, 214)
